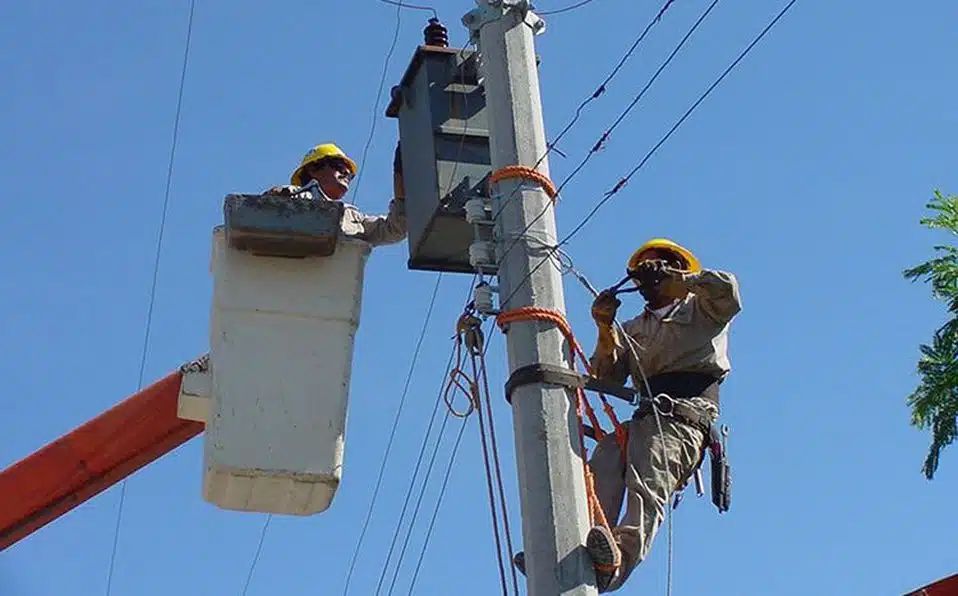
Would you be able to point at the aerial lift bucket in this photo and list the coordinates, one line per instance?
(286, 301)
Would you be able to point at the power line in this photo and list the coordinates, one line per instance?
(259, 549)
(441, 494)
(426, 476)
(623, 181)
(379, 93)
(599, 91)
(600, 143)
(435, 513)
(415, 476)
(624, 114)
(156, 270)
(412, 6)
(566, 9)
(392, 434)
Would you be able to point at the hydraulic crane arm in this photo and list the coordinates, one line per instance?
(91, 458)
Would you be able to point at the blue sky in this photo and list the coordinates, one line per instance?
(805, 173)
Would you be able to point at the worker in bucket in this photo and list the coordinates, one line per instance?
(680, 340)
(325, 174)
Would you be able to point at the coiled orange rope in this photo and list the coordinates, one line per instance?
(526, 173)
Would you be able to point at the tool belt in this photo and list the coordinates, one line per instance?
(679, 409)
(678, 385)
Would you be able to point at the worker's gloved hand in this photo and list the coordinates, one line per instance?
(399, 189)
(604, 307)
(282, 191)
(649, 273)
(397, 160)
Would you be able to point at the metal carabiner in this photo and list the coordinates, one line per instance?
(657, 404)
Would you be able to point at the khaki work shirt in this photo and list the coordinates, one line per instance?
(691, 337)
(374, 229)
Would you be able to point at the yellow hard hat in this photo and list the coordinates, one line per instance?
(665, 244)
(318, 153)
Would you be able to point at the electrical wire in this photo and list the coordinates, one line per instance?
(259, 549)
(566, 9)
(599, 91)
(412, 6)
(415, 476)
(397, 531)
(379, 93)
(392, 435)
(156, 270)
(619, 185)
(623, 181)
(442, 491)
(600, 143)
(435, 513)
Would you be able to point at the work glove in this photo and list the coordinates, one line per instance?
(399, 190)
(604, 308)
(651, 272)
(397, 160)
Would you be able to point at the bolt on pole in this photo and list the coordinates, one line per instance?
(555, 517)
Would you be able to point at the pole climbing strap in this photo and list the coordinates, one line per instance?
(543, 373)
(526, 173)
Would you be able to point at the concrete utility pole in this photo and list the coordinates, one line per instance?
(555, 516)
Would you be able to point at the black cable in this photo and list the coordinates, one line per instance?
(600, 143)
(442, 491)
(412, 6)
(379, 93)
(623, 181)
(566, 9)
(599, 91)
(435, 513)
(624, 114)
(156, 271)
(259, 549)
(415, 476)
(392, 435)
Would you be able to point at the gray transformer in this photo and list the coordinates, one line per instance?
(444, 137)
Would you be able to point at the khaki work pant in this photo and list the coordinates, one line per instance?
(644, 479)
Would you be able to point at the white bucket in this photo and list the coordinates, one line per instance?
(281, 351)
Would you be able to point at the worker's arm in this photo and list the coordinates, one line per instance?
(717, 291)
(608, 360)
(384, 229)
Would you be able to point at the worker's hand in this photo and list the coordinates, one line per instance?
(397, 160)
(650, 272)
(604, 308)
(282, 191)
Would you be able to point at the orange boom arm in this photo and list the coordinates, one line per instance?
(91, 458)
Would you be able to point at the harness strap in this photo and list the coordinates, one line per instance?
(680, 410)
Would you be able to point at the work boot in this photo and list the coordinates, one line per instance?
(520, 562)
(605, 554)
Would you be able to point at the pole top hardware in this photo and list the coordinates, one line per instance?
(488, 11)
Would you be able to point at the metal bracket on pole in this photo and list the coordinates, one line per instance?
(489, 11)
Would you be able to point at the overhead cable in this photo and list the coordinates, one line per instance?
(623, 181)
(379, 93)
(156, 269)
(392, 434)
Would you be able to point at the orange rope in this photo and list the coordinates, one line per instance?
(526, 173)
(531, 313)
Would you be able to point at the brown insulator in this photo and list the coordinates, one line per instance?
(436, 34)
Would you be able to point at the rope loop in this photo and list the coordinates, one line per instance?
(526, 173)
